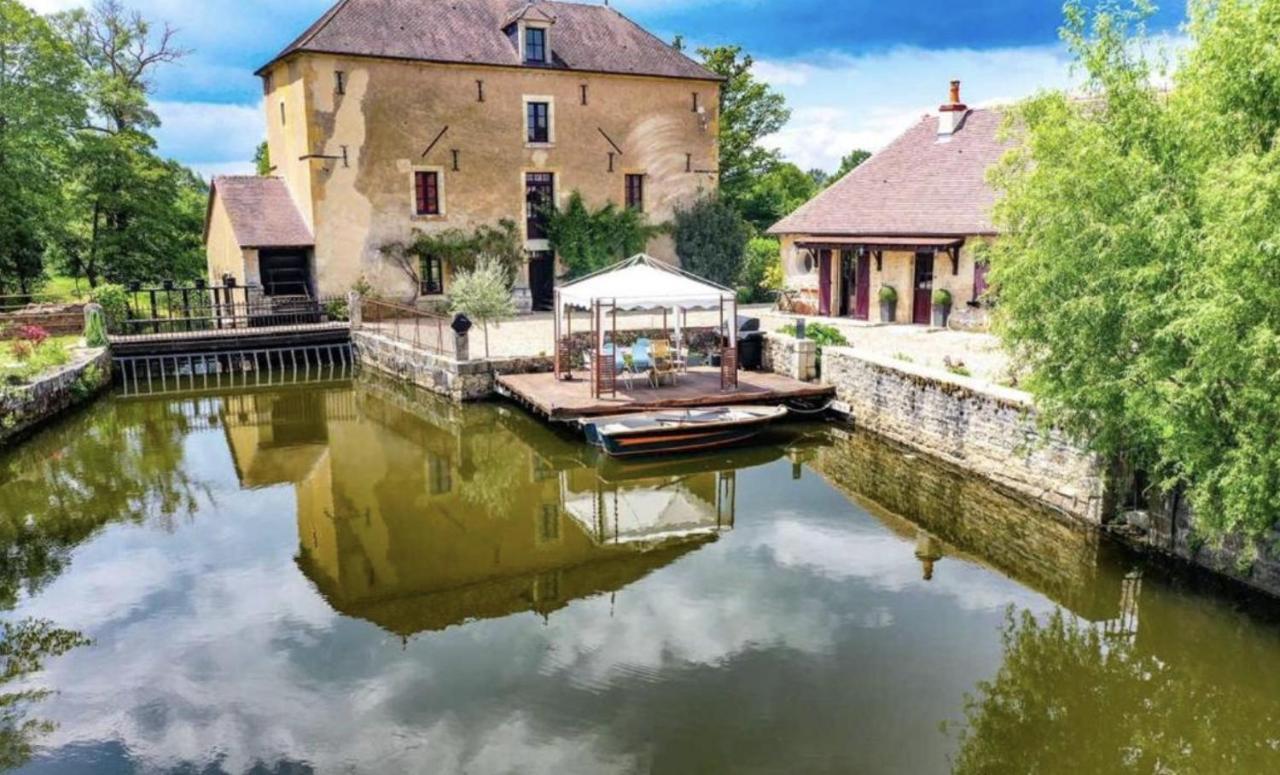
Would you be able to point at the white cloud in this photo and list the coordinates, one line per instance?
(841, 102)
(210, 137)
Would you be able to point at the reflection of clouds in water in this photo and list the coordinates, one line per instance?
(888, 563)
(200, 659)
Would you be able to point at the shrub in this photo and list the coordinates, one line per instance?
(588, 241)
(114, 300)
(337, 309)
(35, 335)
(711, 240)
(459, 250)
(942, 298)
(888, 294)
(21, 350)
(761, 270)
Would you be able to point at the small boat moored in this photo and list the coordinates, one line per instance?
(678, 430)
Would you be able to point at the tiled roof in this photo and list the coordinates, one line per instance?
(263, 214)
(917, 186)
(593, 38)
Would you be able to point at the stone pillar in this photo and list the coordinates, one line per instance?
(353, 309)
(806, 361)
(461, 346)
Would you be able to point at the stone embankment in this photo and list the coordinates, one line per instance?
(24, 407)
(985, 429)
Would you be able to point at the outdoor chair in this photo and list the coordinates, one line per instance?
(664, 363)
(640, 356)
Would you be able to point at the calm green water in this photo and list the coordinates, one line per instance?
(344, 578)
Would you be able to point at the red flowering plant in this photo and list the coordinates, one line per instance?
(34, 335)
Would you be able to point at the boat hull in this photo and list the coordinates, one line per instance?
(676, 440)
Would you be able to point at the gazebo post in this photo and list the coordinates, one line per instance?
(568, 335)
(613, 362)
(555, 333)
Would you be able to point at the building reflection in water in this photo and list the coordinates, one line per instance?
(417, 516)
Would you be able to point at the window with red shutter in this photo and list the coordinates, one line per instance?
(426, 192)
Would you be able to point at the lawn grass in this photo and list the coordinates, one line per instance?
(52, 353)
(65, 289)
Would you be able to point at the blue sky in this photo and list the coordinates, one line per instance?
(855, 72)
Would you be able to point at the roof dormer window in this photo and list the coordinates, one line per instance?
(535, 45)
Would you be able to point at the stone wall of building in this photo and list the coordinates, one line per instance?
(984, 429)
(24, 407)
(467, 380)
(57, 319)
(791, 357)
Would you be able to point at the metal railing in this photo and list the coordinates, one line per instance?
(424, 330)
(181, 310)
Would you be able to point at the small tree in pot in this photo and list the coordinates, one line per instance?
(941, 307)
(888, 304)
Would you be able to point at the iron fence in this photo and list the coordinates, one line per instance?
(178, 310)
(424, 330)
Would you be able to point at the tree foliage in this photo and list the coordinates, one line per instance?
(483, 294)
(1137, 274)
(848, 163)
(776, 194)
(711, 240)
(749, 111)
(39, 107)
(588, 241)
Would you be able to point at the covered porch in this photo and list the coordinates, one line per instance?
(887, 279)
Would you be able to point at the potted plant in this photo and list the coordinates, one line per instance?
(941, 307)
(888, 304)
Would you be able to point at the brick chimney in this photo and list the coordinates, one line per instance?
(951, 114)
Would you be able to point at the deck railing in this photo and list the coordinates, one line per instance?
(424, 330)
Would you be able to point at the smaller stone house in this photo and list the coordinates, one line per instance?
(241, 243)
(912, 217)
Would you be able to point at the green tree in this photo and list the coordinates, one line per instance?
(262, 159)
(711, 240)
(587, 241)
(848, 163)
(483, 294)
(1137, 274)
(133, 218)
(776, 194)
(749, 111)
(39, 105)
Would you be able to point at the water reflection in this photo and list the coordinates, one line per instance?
(359, 579)
(417, 521)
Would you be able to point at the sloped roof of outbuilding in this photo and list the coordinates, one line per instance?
(590, 38)
(917, 186)
(262, 212)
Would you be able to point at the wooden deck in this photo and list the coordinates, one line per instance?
(565, 401)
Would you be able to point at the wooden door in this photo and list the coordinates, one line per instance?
(846, 283)
(922, 299)
(542, 279)
(824, 282)
(862, 288)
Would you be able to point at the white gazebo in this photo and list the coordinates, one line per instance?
(640, 283)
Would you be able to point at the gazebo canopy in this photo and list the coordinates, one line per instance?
(643, 282)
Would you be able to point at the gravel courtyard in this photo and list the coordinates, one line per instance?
(980, 354)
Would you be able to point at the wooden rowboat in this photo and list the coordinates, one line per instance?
(679, 430)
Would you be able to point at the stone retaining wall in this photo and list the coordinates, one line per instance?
(987, 430)
(470, 380)
(57, 319)
(24, 407)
